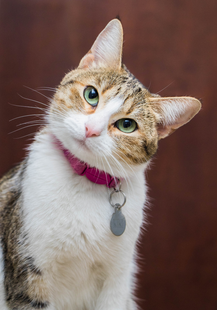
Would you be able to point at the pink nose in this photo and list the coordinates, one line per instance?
(91, 132)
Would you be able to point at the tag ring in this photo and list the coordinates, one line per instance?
(124, 196)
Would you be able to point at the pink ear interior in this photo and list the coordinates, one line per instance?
(86, 61)
(164, 131)
(173, 112)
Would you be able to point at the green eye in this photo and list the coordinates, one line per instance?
(91, 95)
(126, 125)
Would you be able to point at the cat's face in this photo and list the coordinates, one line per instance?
(106, 117)
(116, 124)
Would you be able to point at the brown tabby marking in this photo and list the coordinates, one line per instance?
(19, 270)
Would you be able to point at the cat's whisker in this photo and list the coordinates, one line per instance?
(119, 166)
(59, 114)
(28, 135)
(109, 165)
(38, 92)
(33, 125)
(33, 100)
(124, 162)
(127, 178)
(28, 106)
(28, 115)
(104, 156)
(32, 122)
(104, 167)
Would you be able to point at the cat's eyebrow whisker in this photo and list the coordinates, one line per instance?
(149, 85)
(38, 92)
(165, 87)
(47, 88)
(36, 101)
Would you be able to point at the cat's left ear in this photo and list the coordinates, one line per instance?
(173, 112)
(107, 48)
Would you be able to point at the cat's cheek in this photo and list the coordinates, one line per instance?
(101, 146)
(75, 125)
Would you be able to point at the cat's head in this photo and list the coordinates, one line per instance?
(106, 117)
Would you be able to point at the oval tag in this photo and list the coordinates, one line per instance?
(118, 222)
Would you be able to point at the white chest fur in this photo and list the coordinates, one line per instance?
(67, 220)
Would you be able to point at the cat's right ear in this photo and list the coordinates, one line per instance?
(107, 48)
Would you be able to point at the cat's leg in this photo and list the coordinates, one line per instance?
(117, 290)
(29, 295)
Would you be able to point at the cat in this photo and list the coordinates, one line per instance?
(72, 211)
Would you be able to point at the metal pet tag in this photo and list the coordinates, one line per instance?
(118, 221)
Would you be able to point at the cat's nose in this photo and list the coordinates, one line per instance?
(91, 132)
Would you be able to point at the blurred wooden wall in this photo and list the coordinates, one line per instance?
(171, 47)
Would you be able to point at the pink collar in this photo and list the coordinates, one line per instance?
(82, 168)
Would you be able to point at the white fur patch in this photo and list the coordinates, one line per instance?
(67, 220)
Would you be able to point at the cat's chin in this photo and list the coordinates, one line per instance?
(82, 144)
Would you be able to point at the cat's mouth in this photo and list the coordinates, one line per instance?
(82, 143)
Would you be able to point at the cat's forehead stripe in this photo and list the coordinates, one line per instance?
(106, 88)
(113, 105)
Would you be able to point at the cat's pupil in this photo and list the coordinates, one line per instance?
(127, 123)
(92, 94)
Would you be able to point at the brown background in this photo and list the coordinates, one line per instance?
(171, 47)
